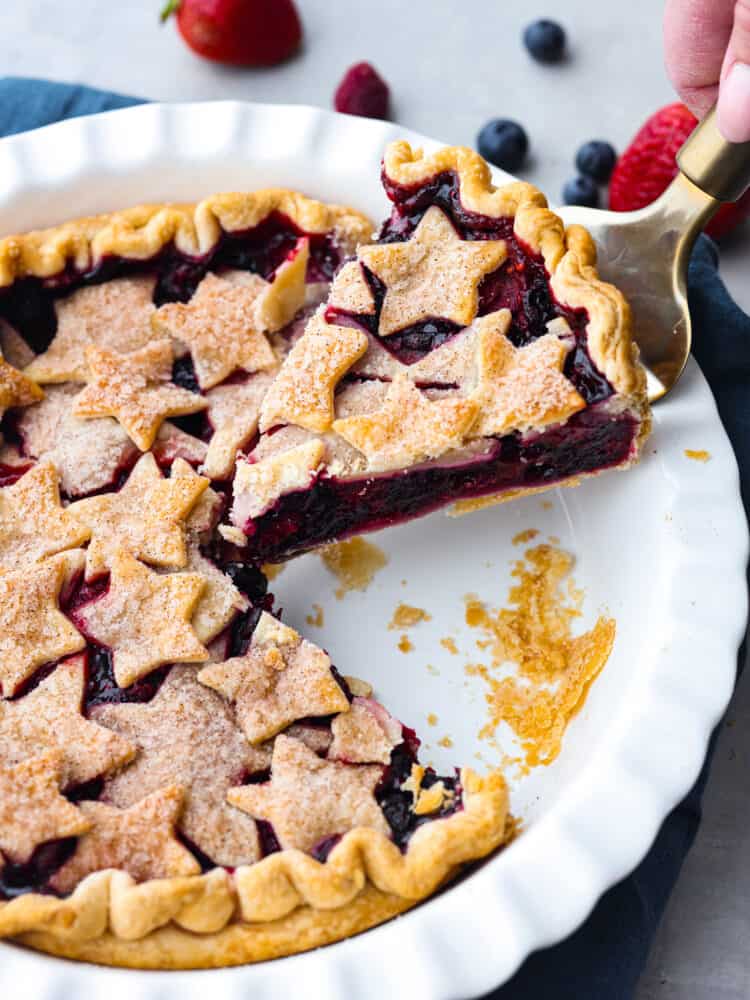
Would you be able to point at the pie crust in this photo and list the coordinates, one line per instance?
(134, 489)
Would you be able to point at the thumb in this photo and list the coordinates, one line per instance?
(734, 90)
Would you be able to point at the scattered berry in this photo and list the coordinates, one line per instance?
(596, 159)
(504, 143)
(581, 191)
(648, 166)
(238, 32)
(363, 92)
(545, 41)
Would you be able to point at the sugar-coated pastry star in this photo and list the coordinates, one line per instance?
(233, 411)
(146, 516)
(114, 315)
(220, 327)
(33, 630)
(187, 736)
(32, 810)
(364, 735)
(52, 715)
(308, 799)
(520, 387)
(409, 427)
(281, 678)
(140, 841)
(302, 392)
(144, 618)
(136, 389)
(258, 484)
(16, 388)
(435, 274)
(33, 522)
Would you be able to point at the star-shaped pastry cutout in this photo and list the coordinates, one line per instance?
(144, 618)
(140, 840)
(51, 715)
(146, 516)
(115, 315)
(33, 630)
(520, 387)
(257, 485)
(308, 799)
(283, 297)
(351, 292)
(233, 411)
(16, 389)
(187, 736)
(364, 735)
(88, 454)
(33, 522)
(302, 392)
(32, 810)
(435, 274)
(135, 389)
(219, 325)
(280, 679)
(409, 427)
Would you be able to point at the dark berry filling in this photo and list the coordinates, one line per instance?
(269, 843)
(322, 849)
(10, 474)
(398, 804)
(33, 875)
(28, 304)
(102, 688)
(333, 508)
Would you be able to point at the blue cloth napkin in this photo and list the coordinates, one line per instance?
(604, 958)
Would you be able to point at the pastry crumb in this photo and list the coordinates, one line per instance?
(449, 644)
(433, 670)
(316, 619)
(445, 741)
(432, 719)
(528, 535)
(405, 644)
(405, 616)
(555, 668)
(272, 570)
(698, 455)
(354, 563)
(547, 505)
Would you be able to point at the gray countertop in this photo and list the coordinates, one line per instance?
(451, 67)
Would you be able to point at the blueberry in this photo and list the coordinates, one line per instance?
(545, 41)
(596, 159)
(504, 143)
(581, 191)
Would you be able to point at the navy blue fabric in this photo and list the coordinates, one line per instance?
(604, 958)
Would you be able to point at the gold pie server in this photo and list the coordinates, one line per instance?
(646, 253)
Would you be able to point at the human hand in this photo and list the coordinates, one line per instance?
(707, 53)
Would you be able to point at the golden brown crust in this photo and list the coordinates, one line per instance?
(569, 255)
(285, 903)
(140, 233)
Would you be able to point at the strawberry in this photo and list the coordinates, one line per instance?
(238, 32)
(648, 165)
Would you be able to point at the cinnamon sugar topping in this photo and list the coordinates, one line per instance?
(435, 273)
(220, 327)
(135, 389)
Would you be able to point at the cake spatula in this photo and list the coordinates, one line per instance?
(646, 253)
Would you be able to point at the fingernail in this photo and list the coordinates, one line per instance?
(734, 104)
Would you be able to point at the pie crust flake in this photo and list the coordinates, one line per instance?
(186, 393)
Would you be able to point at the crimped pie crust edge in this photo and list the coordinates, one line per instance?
(139, 233)
(108, 907)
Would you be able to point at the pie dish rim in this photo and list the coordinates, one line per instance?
(240, 109)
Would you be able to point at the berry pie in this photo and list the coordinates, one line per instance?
(188, 392)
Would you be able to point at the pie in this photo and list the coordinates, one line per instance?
(187, 393)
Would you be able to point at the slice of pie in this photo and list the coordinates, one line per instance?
(185, 780)
(469, 355)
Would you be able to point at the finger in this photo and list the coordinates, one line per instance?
(696, 35)
(734, 92)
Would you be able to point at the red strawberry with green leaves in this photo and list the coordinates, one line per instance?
(238, 32)
(648, 165)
